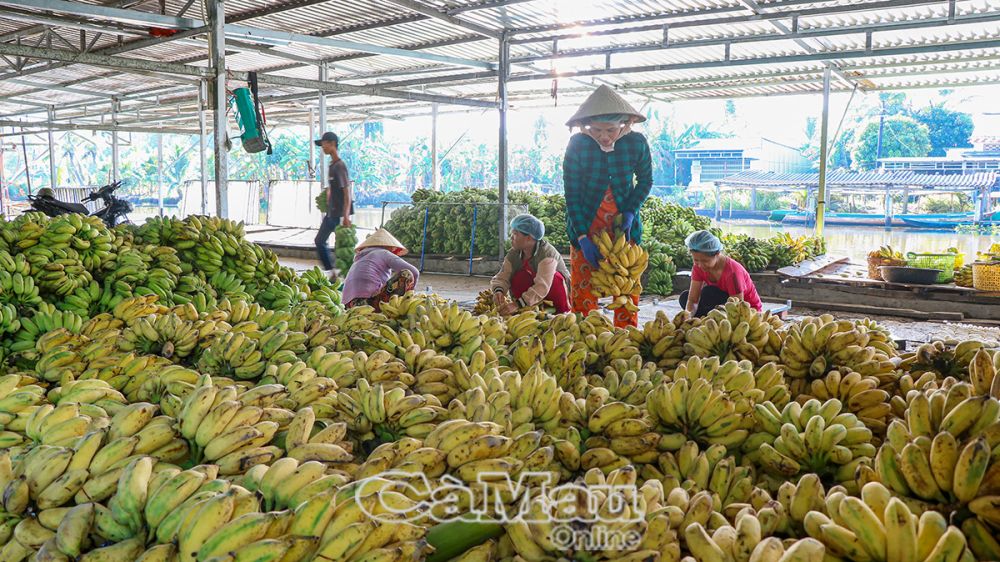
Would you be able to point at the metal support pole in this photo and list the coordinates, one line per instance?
(472, 236)
(323, 74)
(434, 147)
(824, 150)
(159, 172)
(503, 71)
(27, 166)
(52, 150)
(202, 161)
(217, 51)
(115, 106)
(312, 145)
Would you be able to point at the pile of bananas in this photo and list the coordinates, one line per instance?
(884, 256)
(734, 331)
(963, 276)
(660, 274)
(345, 241)
(250, 423)
(753, 253)
(620, 272)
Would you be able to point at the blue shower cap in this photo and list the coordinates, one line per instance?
(703, 241)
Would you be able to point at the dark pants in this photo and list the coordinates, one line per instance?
(325, 230)
(711, 297)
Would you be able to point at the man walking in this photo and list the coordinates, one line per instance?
(339, 205)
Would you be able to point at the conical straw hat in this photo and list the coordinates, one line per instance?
(382, 239)
(604, 101)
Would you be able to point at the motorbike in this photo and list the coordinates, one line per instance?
(115, 210)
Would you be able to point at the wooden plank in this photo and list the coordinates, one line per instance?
(882, 311)
(809, 267)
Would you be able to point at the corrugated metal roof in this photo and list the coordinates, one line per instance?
(880, 179)
(916, 44)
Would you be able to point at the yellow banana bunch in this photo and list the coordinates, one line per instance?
(743, 541)
(541, 535)
(383, 368)
(562, 357)
(815, 346)
(619, 274)
(534, 398)
(19, 397)
(948, 472)
(327, 445)
(229, 429)
(287, 483)
(405, 456)
(860, 394)
(684, 410)
(877, 526)
(366, 528)
(336, 365)
(606, 346)
(661, 340)
(167, 335)
(813, 437)
(524, 323)
(372, 410)
(983, 373)
(628, 381)
(233, 354)
(951, 409)
(709, 470)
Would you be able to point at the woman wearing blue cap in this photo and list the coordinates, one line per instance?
(715, 277)
(533, 270)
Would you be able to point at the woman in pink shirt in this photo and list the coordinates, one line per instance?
(378, 272)
(715, 277)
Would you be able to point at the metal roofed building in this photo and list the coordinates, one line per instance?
(139, 65)
(715, 159)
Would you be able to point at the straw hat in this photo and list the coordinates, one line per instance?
(382, 239)
(604, 101)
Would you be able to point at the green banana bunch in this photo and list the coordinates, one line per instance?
(813, 437)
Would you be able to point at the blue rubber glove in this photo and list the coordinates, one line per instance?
(590, 252)
(627, 219)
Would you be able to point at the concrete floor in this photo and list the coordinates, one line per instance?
(464, 289)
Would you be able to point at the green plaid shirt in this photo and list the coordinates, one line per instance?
(588, 171)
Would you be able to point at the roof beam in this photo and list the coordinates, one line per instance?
(252, 34)
(755, 9)
(711, 22)
(434, 13)
(44, 126)
(142, 65)
(852, 54)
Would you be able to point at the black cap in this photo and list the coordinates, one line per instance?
(332, 137)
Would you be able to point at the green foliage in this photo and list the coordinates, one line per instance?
(947, 128)
(902, 136)
(954, 203)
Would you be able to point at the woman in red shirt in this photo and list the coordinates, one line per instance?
(715, 277)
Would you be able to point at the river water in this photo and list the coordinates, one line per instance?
(856, 242)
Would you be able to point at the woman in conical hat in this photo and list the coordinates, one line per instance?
(378, 271)
(607, 175)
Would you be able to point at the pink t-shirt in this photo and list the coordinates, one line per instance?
(734, 280)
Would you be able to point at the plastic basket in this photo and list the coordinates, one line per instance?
(944, 262)
(986, 276)
(874, 264)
